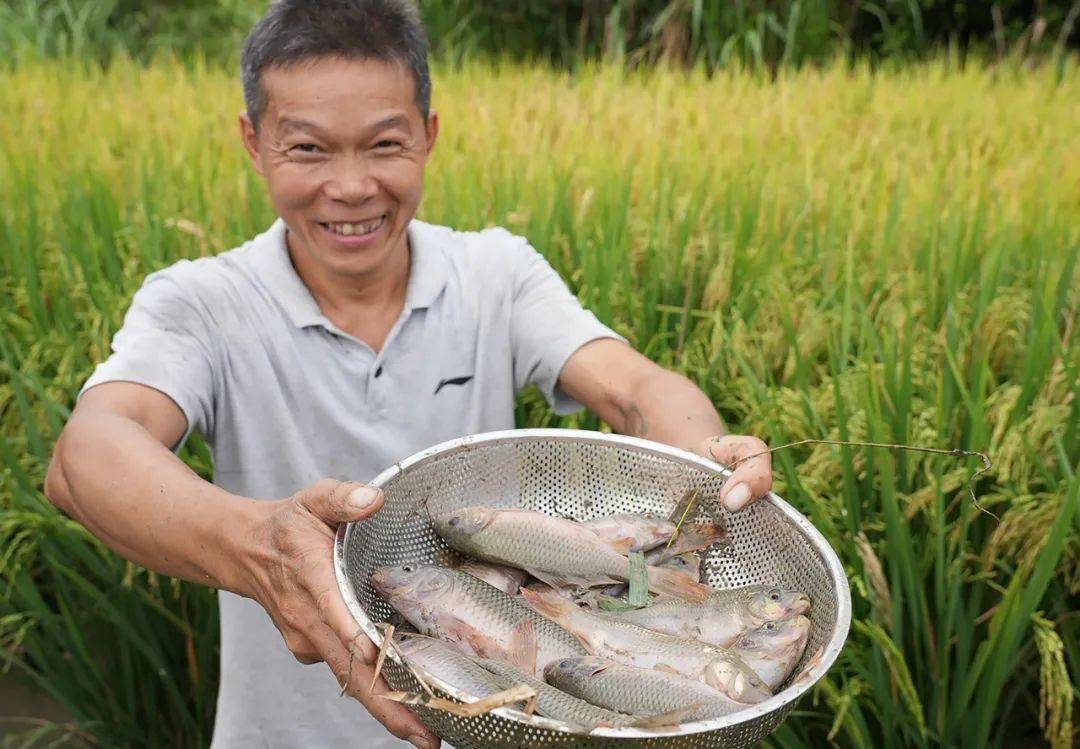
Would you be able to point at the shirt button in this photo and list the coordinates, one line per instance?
(378, 371)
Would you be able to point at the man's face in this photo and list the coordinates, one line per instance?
(342, 146)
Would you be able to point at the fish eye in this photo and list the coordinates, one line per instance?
(564, 664)
(454, 522)
(770, 626)
(407, 568)
(774, 594)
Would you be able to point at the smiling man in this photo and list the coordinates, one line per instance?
(344, 338)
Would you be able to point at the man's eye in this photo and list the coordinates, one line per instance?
(305, 148)
(384, 144)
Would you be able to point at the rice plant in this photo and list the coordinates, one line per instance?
(759, 33)
(834, 254)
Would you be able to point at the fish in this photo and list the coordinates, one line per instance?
(555, 703)
(644, 532)
(690, 537)
(476, 617)
(445, 661)
(555, 550)
(507, 579)
(636, 646)
(688, 564)
(725, 615)
(773, 649)
(638, 691)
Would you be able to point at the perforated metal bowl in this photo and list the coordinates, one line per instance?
(585, 475)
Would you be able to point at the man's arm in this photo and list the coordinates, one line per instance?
(640, 398)
(112, 472)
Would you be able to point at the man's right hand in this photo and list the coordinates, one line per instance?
(291, 574)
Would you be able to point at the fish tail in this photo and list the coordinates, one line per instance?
(702, 535)
(677, 584)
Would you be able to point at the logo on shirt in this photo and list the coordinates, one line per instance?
(452, 381)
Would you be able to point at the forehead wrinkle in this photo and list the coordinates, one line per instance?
(394, 120)
(292, 123)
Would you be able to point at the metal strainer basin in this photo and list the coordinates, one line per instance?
(585, 475)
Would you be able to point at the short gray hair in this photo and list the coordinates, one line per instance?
(294, 31)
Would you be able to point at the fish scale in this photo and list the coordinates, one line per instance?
(555, 703)
(634, 645)
(641, 531)
(640, 691)
(723, 617)
(448, 663)
(555, 550)
(468, 612)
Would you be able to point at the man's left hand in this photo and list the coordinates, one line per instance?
(751, 477)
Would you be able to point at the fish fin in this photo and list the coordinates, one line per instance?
(589, 649)
(691, 537)
(674, 583)
(684, 508)
(699, 536)
(668, 719)
(665, 668)
(523, 646)
(556, 580)
(484, 646)
(624, 544)
(547, 603)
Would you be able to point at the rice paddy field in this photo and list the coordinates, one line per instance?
(835, 254)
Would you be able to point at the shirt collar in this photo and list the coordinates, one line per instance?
(427, 274)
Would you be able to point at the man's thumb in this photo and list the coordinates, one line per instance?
(342, 502)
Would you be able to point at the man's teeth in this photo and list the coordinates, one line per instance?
(349, 230)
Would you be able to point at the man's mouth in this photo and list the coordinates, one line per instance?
(354, 228)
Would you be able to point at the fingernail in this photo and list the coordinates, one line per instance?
(363, 497)
(421, 742)
(737, 498)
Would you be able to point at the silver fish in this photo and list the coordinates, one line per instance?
(507, 579)
(448, 663)
(723, 617)
(639, 691)
(636, 646)
(555, 550)
(474, 616)
(555, 703)
(629, 532)
(774, 648)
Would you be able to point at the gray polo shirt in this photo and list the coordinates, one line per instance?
(284, 397)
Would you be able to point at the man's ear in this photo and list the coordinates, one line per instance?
(251, 141)
(431, 128)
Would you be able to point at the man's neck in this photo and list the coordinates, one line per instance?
(363, 306)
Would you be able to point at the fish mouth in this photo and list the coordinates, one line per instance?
(748, 692)
(378, 579)
(801, 605)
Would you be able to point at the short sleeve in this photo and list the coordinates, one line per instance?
(165, 344)
(548, 324)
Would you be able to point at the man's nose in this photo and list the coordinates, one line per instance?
(352, 181)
